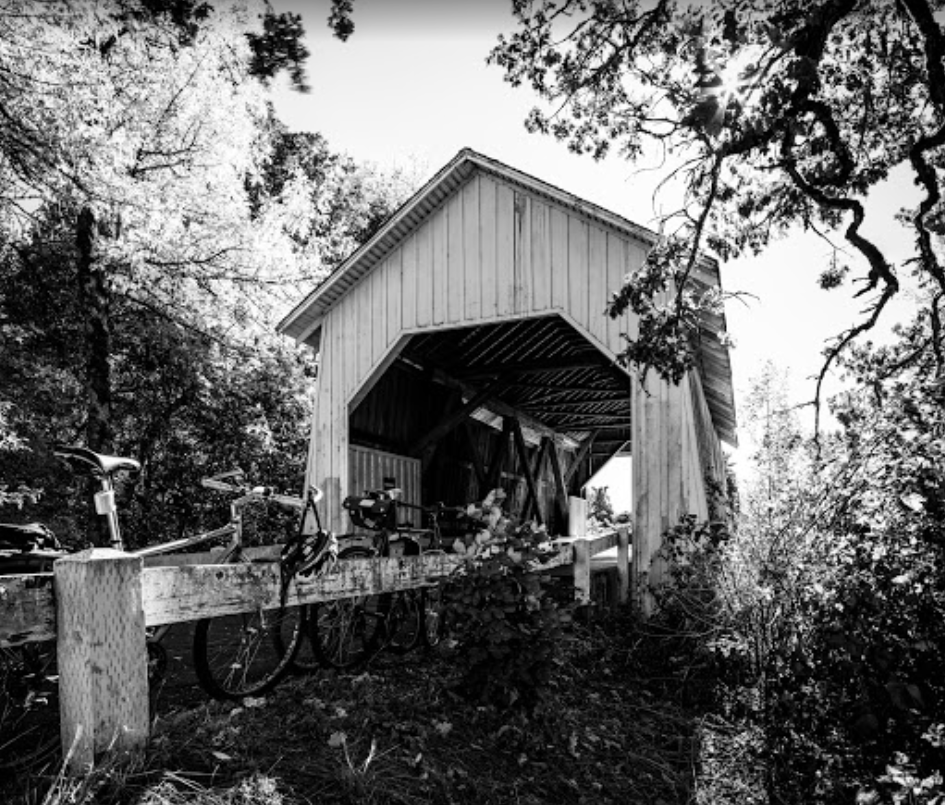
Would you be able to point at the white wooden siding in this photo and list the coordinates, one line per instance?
(493, 252)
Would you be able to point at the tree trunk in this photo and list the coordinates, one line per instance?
(94, 304)
(94, 301)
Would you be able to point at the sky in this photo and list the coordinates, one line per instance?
(411, 87)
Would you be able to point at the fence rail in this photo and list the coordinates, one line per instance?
(97, 603)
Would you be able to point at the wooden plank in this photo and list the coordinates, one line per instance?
(495, 468)
(173, 594)
(617, 268)
(472, 245)
(487, 232)
(541, 256)
(379, 310)
(537, 366)
(596, 290)
(559, 258)
(640, 497)
(578, 271)
(425, 280)
(523, 462)
(27, 609)
(409, 299)
(582, 572)
(505, 249)
(455, 418)
(439, 268)
(502, 409)
(561, 488)
(103, 678)
(623, 565)
(476, 458)
(393, 273)
(581, 454)
(335, 404)
(530, 499)
(455, 254)
(522, 270)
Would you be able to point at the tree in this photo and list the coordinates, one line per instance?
(780, 113)
(156, 218)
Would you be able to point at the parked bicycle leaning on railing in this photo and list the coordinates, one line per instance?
(348, 632)
(234, 656)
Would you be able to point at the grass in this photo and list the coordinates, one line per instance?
(622, 721)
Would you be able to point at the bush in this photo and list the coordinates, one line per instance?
(506, 626)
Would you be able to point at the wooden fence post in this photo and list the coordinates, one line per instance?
(103, 671)
(577, 527)
(582, 571)
(623, 565)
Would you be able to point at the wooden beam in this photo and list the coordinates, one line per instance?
(476, 459)
(561, 489)
(579, 457)
(495, 469)
(566, 396)
(607, 417)
(530, 500)
(502, 409)
(454, 419)
(596, 361)
(553, 407)
(523, 460)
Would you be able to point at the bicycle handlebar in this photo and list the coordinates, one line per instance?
(216, 483)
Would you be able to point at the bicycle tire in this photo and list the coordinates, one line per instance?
(235, 655)
(29, 707)
(347, 632)
(403, 623)
(306, 660)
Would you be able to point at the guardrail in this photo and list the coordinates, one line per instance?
(97, 603)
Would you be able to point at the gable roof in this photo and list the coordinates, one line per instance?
(304, 321)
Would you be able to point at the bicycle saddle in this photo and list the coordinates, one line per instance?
(80, 458)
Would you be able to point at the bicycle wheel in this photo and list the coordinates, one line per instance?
(305, 660)
(235, 655)
(348, 631)
(403, 625)
(29, 706)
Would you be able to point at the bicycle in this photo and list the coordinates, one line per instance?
(253, 653)
(347, 632)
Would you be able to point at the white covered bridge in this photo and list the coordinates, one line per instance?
(465, 346)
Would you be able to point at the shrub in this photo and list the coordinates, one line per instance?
(505, 624)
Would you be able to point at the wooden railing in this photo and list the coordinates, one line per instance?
(97, 603)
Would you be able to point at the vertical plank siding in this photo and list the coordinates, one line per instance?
(490, 252)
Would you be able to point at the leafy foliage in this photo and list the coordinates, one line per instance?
(156, 220)
(777, 114)
(503, 619)
(820, 619)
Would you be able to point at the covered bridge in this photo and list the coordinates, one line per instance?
(465, 346)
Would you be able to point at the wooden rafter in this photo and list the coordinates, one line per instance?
(540, 456)
(474, 455)
(503, 409)
(458, 416)
(537, 366)
(523, 461)
(495, 468)
(582, 453)
(602, 418)
(561, 491)
(577, 405)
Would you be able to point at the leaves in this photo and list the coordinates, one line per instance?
(786, 115)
